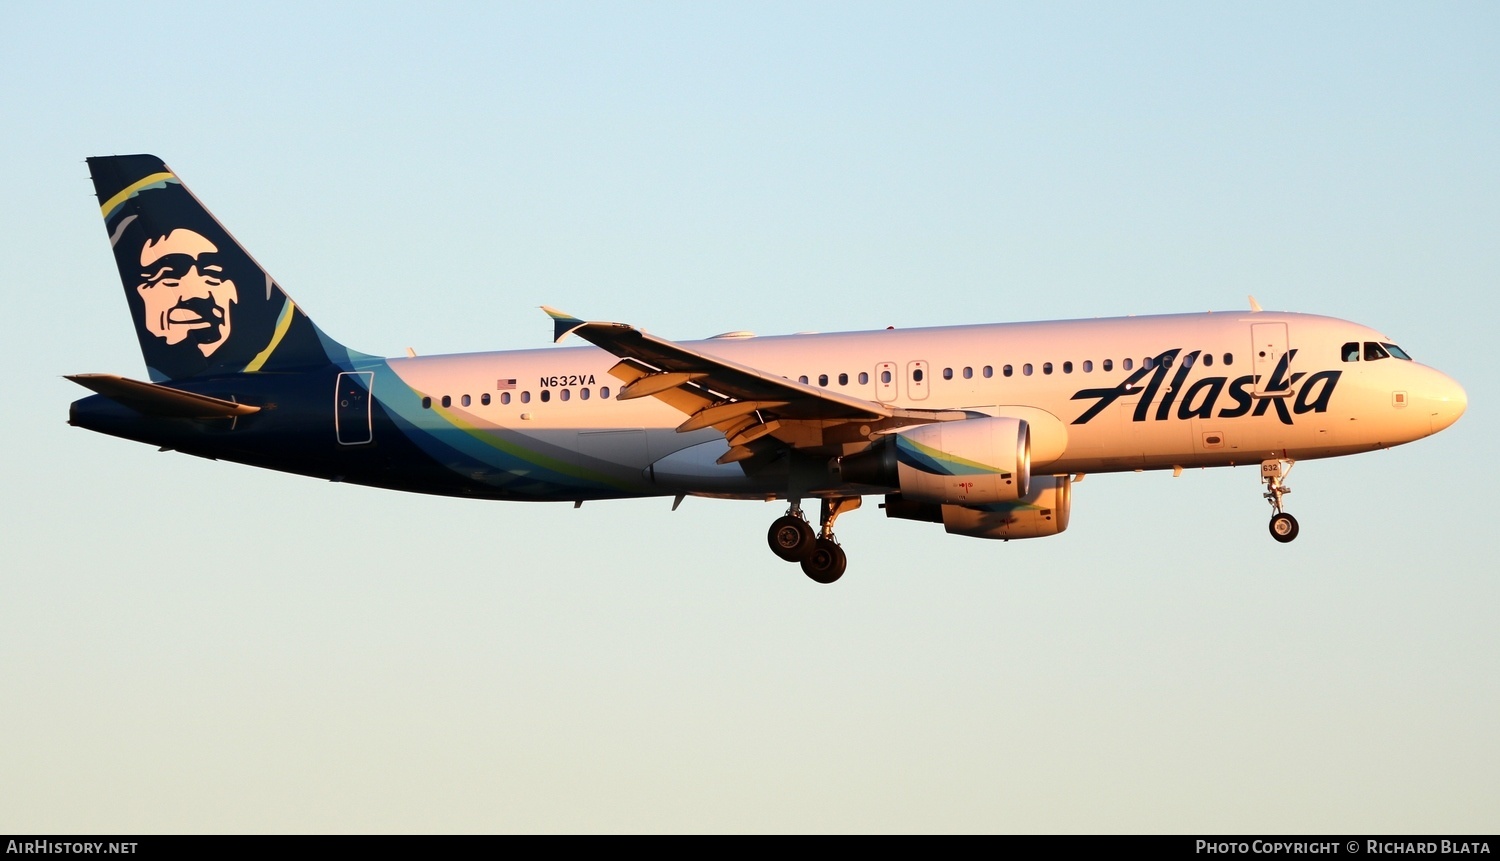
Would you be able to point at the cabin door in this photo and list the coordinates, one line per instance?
(351, 407)
(1267, 347)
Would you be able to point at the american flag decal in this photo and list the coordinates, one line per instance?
(505, 384)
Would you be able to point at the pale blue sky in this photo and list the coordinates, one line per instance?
(195, 646)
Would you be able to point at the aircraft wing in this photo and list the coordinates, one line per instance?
(756, 411)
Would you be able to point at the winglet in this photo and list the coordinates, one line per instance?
(1254, 305)
(563, 325)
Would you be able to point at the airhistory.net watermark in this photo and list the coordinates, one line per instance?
(67, 847)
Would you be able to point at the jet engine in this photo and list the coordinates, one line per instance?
(966, 462)
(1043, 511)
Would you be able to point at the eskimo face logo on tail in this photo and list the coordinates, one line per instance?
(1288, 393)
(186, 291)
(200, 303)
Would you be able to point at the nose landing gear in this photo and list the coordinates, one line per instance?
(1272, 472)
(792, 539)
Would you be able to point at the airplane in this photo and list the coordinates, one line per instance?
(981, 428)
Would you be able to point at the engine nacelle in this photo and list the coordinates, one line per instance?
(1043, 511)
(966, 462)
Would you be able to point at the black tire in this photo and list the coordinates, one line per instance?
(791, 538)
(826, 563)
(1284, 527)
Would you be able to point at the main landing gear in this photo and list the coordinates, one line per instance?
(793, 539)
(1272, 472)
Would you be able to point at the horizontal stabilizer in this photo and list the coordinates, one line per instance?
(155, 400)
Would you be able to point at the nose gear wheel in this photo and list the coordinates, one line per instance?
(1283, 527)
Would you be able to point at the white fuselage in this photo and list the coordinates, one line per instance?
(1229, 394)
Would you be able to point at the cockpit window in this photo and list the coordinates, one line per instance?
(1374, 351)
(1396, 351)
(1350, 351)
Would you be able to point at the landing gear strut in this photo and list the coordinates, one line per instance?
(792, 539)
(1272, 472)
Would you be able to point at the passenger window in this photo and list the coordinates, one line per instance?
(565, 394)
(1088, 366)
(1026, 369)
(1109, 364)
(604, 392)
(1374, 351)
(968, 373)
(1228, 358)
(864, 378)
(427, 403)
(583, 394)
(1046, 367)
(1126, 365)
(988, 372)
(802, 379)
(843, 379)
(885, 377)
(1350, 351)
(1208, 360)
(505, 397)
(1187, 361)
(526, 397)
(822, 379)
(485, 399)
(447, 401)
(1007, 370)
(464, 400)
(916, 376)
(546, 395)
(1067, 367)
(1147, 364)
(947, 373)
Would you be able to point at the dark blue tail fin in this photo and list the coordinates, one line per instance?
(200, 302)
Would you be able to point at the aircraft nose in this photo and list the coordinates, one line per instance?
(1446, 401)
